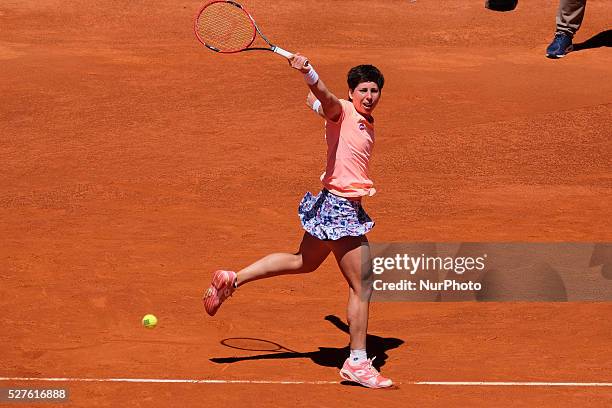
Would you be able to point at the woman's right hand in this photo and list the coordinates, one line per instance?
(299, 62)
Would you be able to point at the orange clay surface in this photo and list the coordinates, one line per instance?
(134, 162)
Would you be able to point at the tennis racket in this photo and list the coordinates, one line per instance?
(226, 27)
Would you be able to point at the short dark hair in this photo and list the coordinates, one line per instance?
(364, 73)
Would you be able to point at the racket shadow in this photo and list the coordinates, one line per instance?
(324, 356)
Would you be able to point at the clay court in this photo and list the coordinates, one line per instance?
(134, 162)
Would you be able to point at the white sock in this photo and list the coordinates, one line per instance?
(358, 356)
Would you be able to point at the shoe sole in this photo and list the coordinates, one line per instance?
(205, 299)
(219, 279)
(349, 377)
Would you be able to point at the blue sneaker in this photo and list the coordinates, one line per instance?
(560, 46)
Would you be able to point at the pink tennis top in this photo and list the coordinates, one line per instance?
(349, 146)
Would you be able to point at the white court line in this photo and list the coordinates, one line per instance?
(161, 380)
(516, 383)
(210, 381)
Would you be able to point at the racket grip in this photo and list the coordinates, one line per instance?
(286, 54)
(282, 52)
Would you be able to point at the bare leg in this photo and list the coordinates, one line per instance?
(349, 253)
(312, 253)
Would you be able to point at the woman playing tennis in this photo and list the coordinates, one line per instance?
(334, 220)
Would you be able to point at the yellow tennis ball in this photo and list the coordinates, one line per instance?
(149, 321)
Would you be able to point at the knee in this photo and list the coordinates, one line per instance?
(301, 265)
(362, 290)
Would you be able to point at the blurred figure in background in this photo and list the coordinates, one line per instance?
(569, 19)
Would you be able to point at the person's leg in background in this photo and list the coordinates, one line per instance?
(569, 18)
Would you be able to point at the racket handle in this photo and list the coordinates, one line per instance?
(282, 52)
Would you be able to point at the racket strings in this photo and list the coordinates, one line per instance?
(225, 27)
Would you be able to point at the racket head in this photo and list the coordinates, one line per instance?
(224, 26)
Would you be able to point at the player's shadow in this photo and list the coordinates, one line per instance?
(603, 39)
(325, 356)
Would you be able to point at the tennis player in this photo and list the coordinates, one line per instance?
(334, 220)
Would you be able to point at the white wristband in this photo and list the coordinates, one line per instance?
(316, 105)
(311, 77)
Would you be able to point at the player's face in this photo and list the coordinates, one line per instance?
(365, 97)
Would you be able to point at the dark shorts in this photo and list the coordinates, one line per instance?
(330, 217)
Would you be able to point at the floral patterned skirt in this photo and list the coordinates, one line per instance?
(330, 217)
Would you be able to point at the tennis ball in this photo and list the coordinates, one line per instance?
(149, 321)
